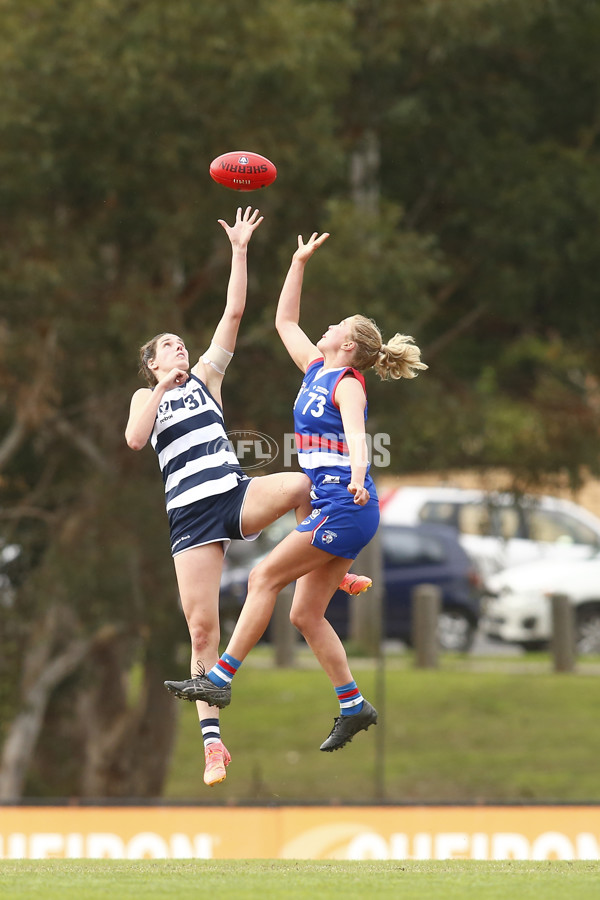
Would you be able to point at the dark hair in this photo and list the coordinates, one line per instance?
(148, 352)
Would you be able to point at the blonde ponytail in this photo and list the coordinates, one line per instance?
(399, 358)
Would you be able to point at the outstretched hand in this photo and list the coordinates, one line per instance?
(245, 224)
(305, 251)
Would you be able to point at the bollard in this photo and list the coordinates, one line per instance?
(284, 635)
(426, 605)
(563, 633)
(366, 626)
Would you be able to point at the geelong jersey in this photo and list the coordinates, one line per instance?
(194, 452)
(320, 440)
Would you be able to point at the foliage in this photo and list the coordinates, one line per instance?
(491, 142)
(111, 116)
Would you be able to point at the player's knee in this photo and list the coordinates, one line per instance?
(258, 579)
(305, 486)
(296, 619)
(203, 638)
(301, 620)
(301, 491)
(262, 580)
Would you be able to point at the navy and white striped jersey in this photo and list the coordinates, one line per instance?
(194, 453)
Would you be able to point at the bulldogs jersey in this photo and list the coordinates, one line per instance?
(194, 452)
(320, 440)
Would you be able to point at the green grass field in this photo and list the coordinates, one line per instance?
(474, 730)
(275, 880)
(506, 730)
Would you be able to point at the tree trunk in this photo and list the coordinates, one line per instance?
(364, 173)
(44, 671)
(128, 743)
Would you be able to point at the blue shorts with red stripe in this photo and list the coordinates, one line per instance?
(337, 524)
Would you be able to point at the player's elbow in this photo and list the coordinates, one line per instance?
(134, 442)
(234, 313)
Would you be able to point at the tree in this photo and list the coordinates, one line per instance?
(489, 139)
(111, 116)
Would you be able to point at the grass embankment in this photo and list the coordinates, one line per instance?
(458, 734)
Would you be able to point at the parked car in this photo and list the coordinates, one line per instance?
(499, 530)
(518, 608)
(412, 555)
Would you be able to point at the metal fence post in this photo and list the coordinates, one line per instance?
(563, 633)
(426, 605)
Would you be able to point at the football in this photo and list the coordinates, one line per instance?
(243, 171)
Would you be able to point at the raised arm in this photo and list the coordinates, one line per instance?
(226, 332)
(296, 342)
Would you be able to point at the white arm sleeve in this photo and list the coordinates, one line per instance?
(217, 357)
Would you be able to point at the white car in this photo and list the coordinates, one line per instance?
(499, 530)
(518, 609)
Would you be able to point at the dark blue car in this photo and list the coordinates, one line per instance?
(422, 554)
(412, 555)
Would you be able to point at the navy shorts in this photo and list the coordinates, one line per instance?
(211, 520)
(338, 524)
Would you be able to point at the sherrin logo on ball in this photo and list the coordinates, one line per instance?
(241, 170)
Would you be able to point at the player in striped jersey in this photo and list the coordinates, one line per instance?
(209, 499)
(329, 417)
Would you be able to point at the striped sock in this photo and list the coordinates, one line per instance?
(211, 731)
(351, 699)
(222, 673)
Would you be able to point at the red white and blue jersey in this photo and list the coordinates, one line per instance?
(194, 453)
(320, 440)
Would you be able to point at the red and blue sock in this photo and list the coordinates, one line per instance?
(351, 699)
(223, 671)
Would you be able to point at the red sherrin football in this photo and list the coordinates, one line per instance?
(242, 170)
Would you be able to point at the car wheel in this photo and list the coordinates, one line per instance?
(587, 625)
(456, 631)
